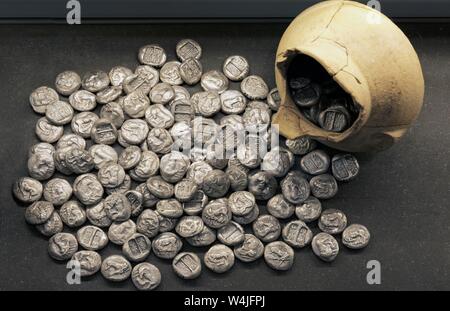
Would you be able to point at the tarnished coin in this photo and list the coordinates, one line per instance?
(241, 203)
(136, 200)
(160, 188)
(118, 74)
(59, 158)
(62, 246)
(233, 102)
(166, 224)
(204, 238)
(254, 87)
(72, 214)
(185, 189)
(130, 157)
(134, 131)
(189, 226)
(334, 119)
(332, 221)
(236, 68)
(215, 184)
(325, 246)
(278, 161)
(148, 166)
(295, 187)
(162, 93)
(41, 166)
(273, 99)
(238, 178)
(83, 100)
(92, 238)
(89, 262)
(217, 213)
(95, 81)
(153, 55)
(249, 218)
(262, 185)
(97, 215)
(174, 166)
(52, 226)
(231, 234)
(170, 73)
(345, 167)
(188, 48)
(316, 162)
(197, 172)
(67, 82)
(214, 80)
(137, 248)
(159, 116)
(170, 208)
(82, 123)
(148, 223)
(219, 258)
(159, 140)
(196, 204)
(191, 71)
(79, 161)
(279, 207)
(71, 141)
(27, 189)
(297, 234)
(301, 145)
(149, 200)
(267, 228)
(59, 112)
(41, 148)
(135, 104)
(144, 78)
(41, 97)
(111, 175)
(122, 188)
(206, 103)
(102, 155)
(104, 132)
(166, 245)
(307, 96)
(323, 186)
(109, 94)
(116, 268)
(256, 118)
(48, 132)
(187, 266)
(117, 207)
(250, 249)
(146, 276)
(309, 210)
(57, 191)
(182, 110)
(279, 255)
(355, 236)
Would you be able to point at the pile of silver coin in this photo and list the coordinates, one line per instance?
(146, 171)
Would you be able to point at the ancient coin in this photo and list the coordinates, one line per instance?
(79, 161)
(191, 71)
(279, 255)
(134, 131)
(262, 185)
(214, 80)
(325, 246)
(256, 119)
(144, 78)
(137, 248)
(116, 268)
(71, 141)
(345, 167)
(130, 157)
(146, 276)
(27, 189)
(188, 48)
(196, 204)
(233, 102)
(119, 232)
(102, 155)
(111, 175)
(149, 200)
(241, 203)
(41, 97)
(180, 92)
(187, 266)
(159, 116)
(236, 68)
(170, 208)
(97, 215)
(95, 81)
(166, 224)
(117, 207)
(332, 221)
(41, 166)
(92, 238)
(215, 184)
(41, 148)
(295, 187)
(297, 234)
(122, 188)
(309, 210)
(355, 236)
(231, 234)
(57, 191)
(109, 94)
(277, 161)
(204, 238)
(204, 131)
(174, 166)
(273, 99)
(249, 218)
(135, 104)
(197, 172)
(267, 228)
(59, 112)
(159, 140)
(170, 73)
(83, 100)
(48, 132)
(72, 214)
(62, 246)
(279, 207)
(323, 186)
(118, 74)
(153, 55)
(307, 96)
(114, 112)
(147, 166)
(250, 249)
(82, 123)
(189, 226)
(254, 87)
(166, 245)
(104, 132)
(89, 262)
(219, 258)
(185, 189)
(52, 226)
(334, 119)
(217, 213)
(301, 145)
(316, 162)
(159, 187)
(182, 110)
(162, 93)
(148, 223)
(238, 178)
(67, 82)
(136, 200)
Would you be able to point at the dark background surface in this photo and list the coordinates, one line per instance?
(402, 195)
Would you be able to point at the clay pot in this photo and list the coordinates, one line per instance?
(370, 58)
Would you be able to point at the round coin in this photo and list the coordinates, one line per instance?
(254, 87)
(41, 166)
(148, 223)
(116, 268)
(59, 113)
(119, 232)
(241, 203)
(214, 80)
(217, 213)
(67, 82)
(146, 276)
(215, 184)
(316, 162)
(267, 228)
(309, 210)
(27, 190)
(103, 155)
(236, 68)
(323, 186)
(279, 207)
(325, 246)
(88, 261)
(48, 132)
(188, 48)
(41, 97)
(169, 208)
(95, 81)
(279, 255)
(262, 185)
(219, 258)
(159, 116)
(117, 207)
(204, 238)
(166, 245)
(104, 132)
(57, 191)
(153, 55)
(92, 238)
(39, 212)
(82, 123)
(52, 226)
(355, 236)
(62, 246)
(72, 214)
(118, 74)
(191, 71)
(345, 167)
(231, 234)
(187, 266)
(170, 73)
(83, 100)
(233, 102)
(297, 234)
(295, 187)
(185, 189)
(137, 247)
(189, 226)
(162, 93)
(250, 249)
(332, 221)
(111, 175)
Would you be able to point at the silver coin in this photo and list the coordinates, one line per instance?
(279, 207)
(297, 234)
(135, 104)
(159, 140)
(236, 67)
(148, 166)
(204, 131)
(134, 131)
(215, 184)
(187, 266)
(295, 187)
(97, 215)
(67, 82)
(95, 81)
(48, 132)
(185, 189)
(72, 214)
(325, 246)
(137, 247)
(122, 188)
(249, 218)
(41, 166)
(153, 55)
(174, 166)
(136, 200)
(159, 116)
(52, 226)
(219, 258)
(169, 208)
(130, 157)
(262, 185)
(256, 119)
(189, 226)
(277, 161)
(89, 262)
(144, 78)
(92, 238)
(279, 255)
(332, 221)
(166, 224)
(41, 97)
(241, 203)
(162, 93)
(323, 186)
(238, 178)
(231, 234)
(166, 245)
(198, 153)
(316, 162)
(214, 80)
(27, 190)
(250, 249)
(160, 188)
(345, 167)
(41, 148)
(148, 223)
(197, 172)
(217, 213)
(149, 200)
(188, 48)
(83, 100)
(71, 141)
(113, 111)
(301, 145)
(122, 141)
(146, 276)
(82, 123)
(355, 236)
(59, 158)
(334, 119)
(109, 94)
(180, 92)
(170, 73)
(233, 102)
(62, 246)
(191, 71)
(206, 103)
(79, 161)
(273, 99)
(59, 113)
(196, 204)
(204, 238)
(57, 191)
(102, 155)
(182, 110)
(267, 228)
(309, 210)
(118, 74)
(111, 175)
(254, 87)
(117, 207)
(116, 268)
(104, 132)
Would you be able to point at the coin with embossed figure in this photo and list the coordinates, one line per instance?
(166, 245)
(41, 166)
(79, 161)
(279, 207)
(215, 184)
(57, 191)
(109, 94)
(148, 223)
(279, 255)
(102, 155)
(118, 74)
(116, 268)
(89, 262)
(83, 100)
(356, 236)
(295, 187)
(189, 226)
(71, 141)
(332, 221)
(62, 246)
(262, 185)
(206, 103)
(162, 93)
(95, 81)
(97, 216)
(39, 212)
(159, 116)
(196, 204)
(111, 175)
(301, 145)
(48, 132)
(72, 214)
(214, 80)
(145, 276)
(323, 186)
(67, 82)
(82, 123)
(267, 228)
(233, 102)
(52, 226)
(174, 166)
(204, 238)
(148, 166)
(130, 157)
(241, 203)
(171, 208)
(41, 97)
(135, 104)
(27, 189)
(219, 258)
(250, 249)
(254, 87)
(88, 189)
(170, 73)
(113, 111)
(325, 246)
(217, 213)
(134, 131)
(117, 207)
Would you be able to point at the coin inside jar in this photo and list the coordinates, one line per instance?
(95, 81)
(217, 213)
(250, 249)
(41, 97)
(153, 55)
(27, 189)
(214, 80)
(219, 258)
(62, 246)
(137, 247)
(345, 167)
(187, 265)
(92, 238)
(67, 82)
(356, 236)
(323, 186)
(166, 245)
(309, 210)
(191, 71)
(332, 221)
(57, 191)
(116, 268)
(188, 226)
(279, 255)
(89, 262)
(279, 207)
(254, 87)
(267, 228)
(117, 207)
(295, 187)
(325, 246)
(146, 276)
